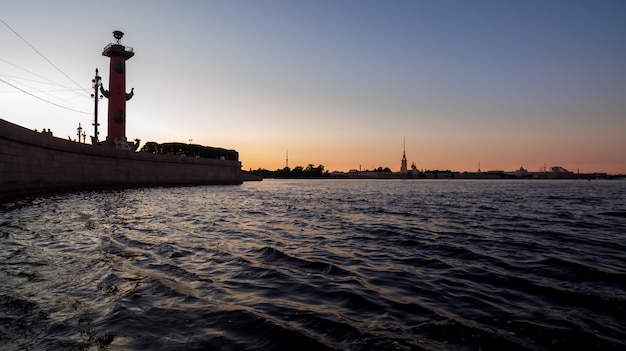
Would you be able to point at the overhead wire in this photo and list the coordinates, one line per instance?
(42, 99)
(33, 90)
(59, 88)
(43, 56)
(48, 80)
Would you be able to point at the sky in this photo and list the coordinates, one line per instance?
(345, 84)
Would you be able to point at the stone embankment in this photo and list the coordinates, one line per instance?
(36, 162)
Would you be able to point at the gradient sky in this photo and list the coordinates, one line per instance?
(338, 83)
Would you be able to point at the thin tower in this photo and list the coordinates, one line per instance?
(403, 166)
(287, 159)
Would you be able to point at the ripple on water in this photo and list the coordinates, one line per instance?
(318, 265)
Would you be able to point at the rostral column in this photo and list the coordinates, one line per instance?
(117, 92)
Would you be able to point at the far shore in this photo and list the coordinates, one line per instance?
(445, 175)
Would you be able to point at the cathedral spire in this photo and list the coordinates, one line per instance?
(403, 167)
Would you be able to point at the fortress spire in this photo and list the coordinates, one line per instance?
(403, 166)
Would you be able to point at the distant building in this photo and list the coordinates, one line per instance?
(560, 172)
(559, 169)
(520, 173)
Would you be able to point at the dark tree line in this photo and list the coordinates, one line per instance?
(191, 150)
(297, 172)
(309, 171)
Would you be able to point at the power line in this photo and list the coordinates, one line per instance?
(42, 99)
(59, 88)
(48, 81)
(34, 90)
(45, 58)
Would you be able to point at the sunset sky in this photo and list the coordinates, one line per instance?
(337, 83)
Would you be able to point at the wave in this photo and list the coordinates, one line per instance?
(317, 265)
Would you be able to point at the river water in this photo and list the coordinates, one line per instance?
(318, 265)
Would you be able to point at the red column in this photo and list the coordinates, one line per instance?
(116, 94)
(117, 98)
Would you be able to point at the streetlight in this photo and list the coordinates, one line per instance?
(79, 131)
(96, 84)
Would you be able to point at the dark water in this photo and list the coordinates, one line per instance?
(318, 265)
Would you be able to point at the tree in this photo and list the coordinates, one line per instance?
(151, 147)
(190, 150)
(297, 172)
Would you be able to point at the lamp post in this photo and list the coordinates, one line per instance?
(96, 85)
(79, 132)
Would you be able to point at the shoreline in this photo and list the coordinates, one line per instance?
(35, 163)
(459, 176)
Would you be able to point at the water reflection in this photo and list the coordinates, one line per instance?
(319, 265)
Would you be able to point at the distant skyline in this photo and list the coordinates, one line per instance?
(508, 84)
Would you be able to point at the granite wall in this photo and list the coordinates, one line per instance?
(34, 162)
